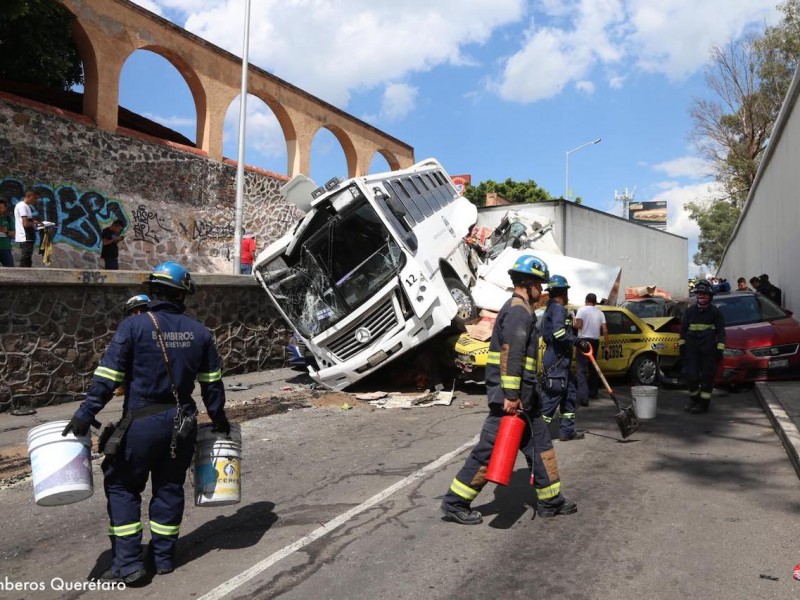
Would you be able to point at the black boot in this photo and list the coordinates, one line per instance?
(465, 516)
(700, 407)
(691, 405)
(567, 507)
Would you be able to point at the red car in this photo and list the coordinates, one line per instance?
(763, 340)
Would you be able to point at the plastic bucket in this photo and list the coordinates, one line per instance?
(644, 400)
(217, 467)
(61, 466)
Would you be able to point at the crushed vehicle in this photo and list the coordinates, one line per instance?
(377, 266)
(641, 349)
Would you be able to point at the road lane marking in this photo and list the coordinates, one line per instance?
(234, 582)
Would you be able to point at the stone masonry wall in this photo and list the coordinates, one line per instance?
(177, 204)
(56, 323)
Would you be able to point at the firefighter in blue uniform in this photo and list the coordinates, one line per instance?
(702, 342)
(558, 383)
(510, 387)
(135, 359)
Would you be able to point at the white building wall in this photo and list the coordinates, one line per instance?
(767, 237)
(646, 255)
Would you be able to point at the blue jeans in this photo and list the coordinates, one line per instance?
(6, 258)
(247, 269)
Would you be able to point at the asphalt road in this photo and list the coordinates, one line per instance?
(690, 507)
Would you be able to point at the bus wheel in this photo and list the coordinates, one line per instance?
(467, 309)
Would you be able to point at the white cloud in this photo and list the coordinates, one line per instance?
(150, 5)
(398, 100)
(584, 86)
(334, 47)
(264, 133)
(172, 121)
(692, 167)
(670, 37)
(678, 221)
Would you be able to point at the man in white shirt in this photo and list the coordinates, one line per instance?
(24, 226)
(590, 323)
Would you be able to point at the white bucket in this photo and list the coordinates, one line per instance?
(644, 400)
(217, 467)
(61, 466)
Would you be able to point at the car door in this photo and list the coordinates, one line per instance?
(626, 339)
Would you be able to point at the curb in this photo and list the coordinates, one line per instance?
(781, 422)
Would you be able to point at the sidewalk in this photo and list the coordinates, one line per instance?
(781, 402)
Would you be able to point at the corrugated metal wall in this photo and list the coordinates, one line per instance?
(767, 237)
(647, 256)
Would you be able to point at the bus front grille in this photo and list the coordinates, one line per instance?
(378, 322)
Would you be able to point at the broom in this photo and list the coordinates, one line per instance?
(626, 418)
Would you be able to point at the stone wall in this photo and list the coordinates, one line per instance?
(56, 323)
(177, 203)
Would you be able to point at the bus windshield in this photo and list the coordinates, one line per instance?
(336, 269)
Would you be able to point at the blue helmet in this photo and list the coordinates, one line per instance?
(174, 275)
(557, 281)
(527, 264)
(137, 301)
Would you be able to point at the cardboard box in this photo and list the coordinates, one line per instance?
(481, 329)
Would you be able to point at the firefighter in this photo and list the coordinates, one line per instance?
(150, 448)
(510, 387)
(136, 304)
(558, 383)
(701, 346)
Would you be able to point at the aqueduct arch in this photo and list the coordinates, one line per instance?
(108, 31)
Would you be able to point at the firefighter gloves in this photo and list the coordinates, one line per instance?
(76, 426)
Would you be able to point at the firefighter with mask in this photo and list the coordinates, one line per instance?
(701, 346)
(511, 387)
(558, 384)
(154, 445)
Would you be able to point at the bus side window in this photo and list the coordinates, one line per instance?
(441, 193)
(430, 197)
(400, 192)
(416, 197)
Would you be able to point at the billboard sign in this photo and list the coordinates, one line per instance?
(653, 214)
(461, 182)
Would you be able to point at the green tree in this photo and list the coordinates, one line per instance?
(36, 44)
(517, 192)
(716, 219)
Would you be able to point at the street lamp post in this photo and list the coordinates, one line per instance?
(237, 227)
(566, 176)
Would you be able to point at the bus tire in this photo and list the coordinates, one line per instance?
(467, 309)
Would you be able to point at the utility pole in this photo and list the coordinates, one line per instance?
(626, 198)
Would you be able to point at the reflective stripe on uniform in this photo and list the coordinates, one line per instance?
(546, 419)
(464, 491)
(510, 382)
(493, 358)
(681, 342)
(209, 377)
(551, 491)
(105, 372)
(125, 530)
(567, 415)
(164, 529)
(701, 326)
(530, 364)
(705, 395)
(721, 346)
(560, 333)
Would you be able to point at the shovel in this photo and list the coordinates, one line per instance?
(626, 418)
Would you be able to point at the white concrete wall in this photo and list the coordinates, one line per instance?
(767, 237)
(647, 256)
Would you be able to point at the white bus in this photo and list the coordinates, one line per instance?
(377, 266)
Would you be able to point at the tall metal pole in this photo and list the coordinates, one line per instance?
(566, 161)
(237, 232)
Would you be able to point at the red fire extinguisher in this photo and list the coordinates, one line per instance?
(506, 446)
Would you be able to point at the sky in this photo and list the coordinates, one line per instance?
(495, 89)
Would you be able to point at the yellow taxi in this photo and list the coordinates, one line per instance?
(640, 348)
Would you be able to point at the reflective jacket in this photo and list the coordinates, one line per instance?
(703, 328)
(510, 366)
(135, 360)
(558, 334)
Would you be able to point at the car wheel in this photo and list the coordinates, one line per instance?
(644, 370)
(467, 309)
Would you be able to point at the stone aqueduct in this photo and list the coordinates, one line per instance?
(107, 32)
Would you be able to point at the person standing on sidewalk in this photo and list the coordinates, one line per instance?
(248, 254)
(701, 344)
(590, 323)
(24, 226)
(157, 355)
(6, 233)
(558, 384)
(511, 388)
(111, 239)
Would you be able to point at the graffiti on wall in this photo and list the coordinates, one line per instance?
(146, 225)
(201, 229)
(79, 217)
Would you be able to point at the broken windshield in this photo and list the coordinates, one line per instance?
(336, 270)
